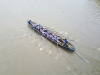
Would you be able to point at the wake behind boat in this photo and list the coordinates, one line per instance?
(51, 36)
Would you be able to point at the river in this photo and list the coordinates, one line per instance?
(20, 54)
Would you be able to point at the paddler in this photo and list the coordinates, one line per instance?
(38, 27)
(41, 30)
(56, 39)
(30, 22)
(51, 37)
(66, 41)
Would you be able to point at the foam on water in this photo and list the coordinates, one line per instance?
(41, 49)
(49, 51)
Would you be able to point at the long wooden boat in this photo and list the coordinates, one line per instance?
(51, 36)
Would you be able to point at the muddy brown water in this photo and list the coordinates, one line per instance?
(21, 55)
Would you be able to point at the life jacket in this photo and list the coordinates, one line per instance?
(41, 30)
(37, 27)
(56, 39)
(51, 36)
(48, 32)
(34, 26)
(66, 41)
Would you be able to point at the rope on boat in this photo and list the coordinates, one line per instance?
(82, 57)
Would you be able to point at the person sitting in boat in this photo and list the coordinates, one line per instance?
(44, 29)
(45, 32)
(30, 22)
(34, 26)
(56, 39)
(48, 32)
(51, 37)
(42, 32)
(38, 27)
(66, 41)
(53, 34)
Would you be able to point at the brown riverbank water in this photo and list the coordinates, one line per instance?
(19, 55)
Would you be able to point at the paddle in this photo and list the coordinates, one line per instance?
(43, 46)
(34, 38)
(25, 33)
(57, 53)
(30, 36)
(50, 48)
(40, 42)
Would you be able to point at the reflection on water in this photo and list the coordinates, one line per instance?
(23, 53)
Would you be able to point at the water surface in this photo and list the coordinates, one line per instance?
(19, 55)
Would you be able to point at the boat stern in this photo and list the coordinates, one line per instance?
(72, 48)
